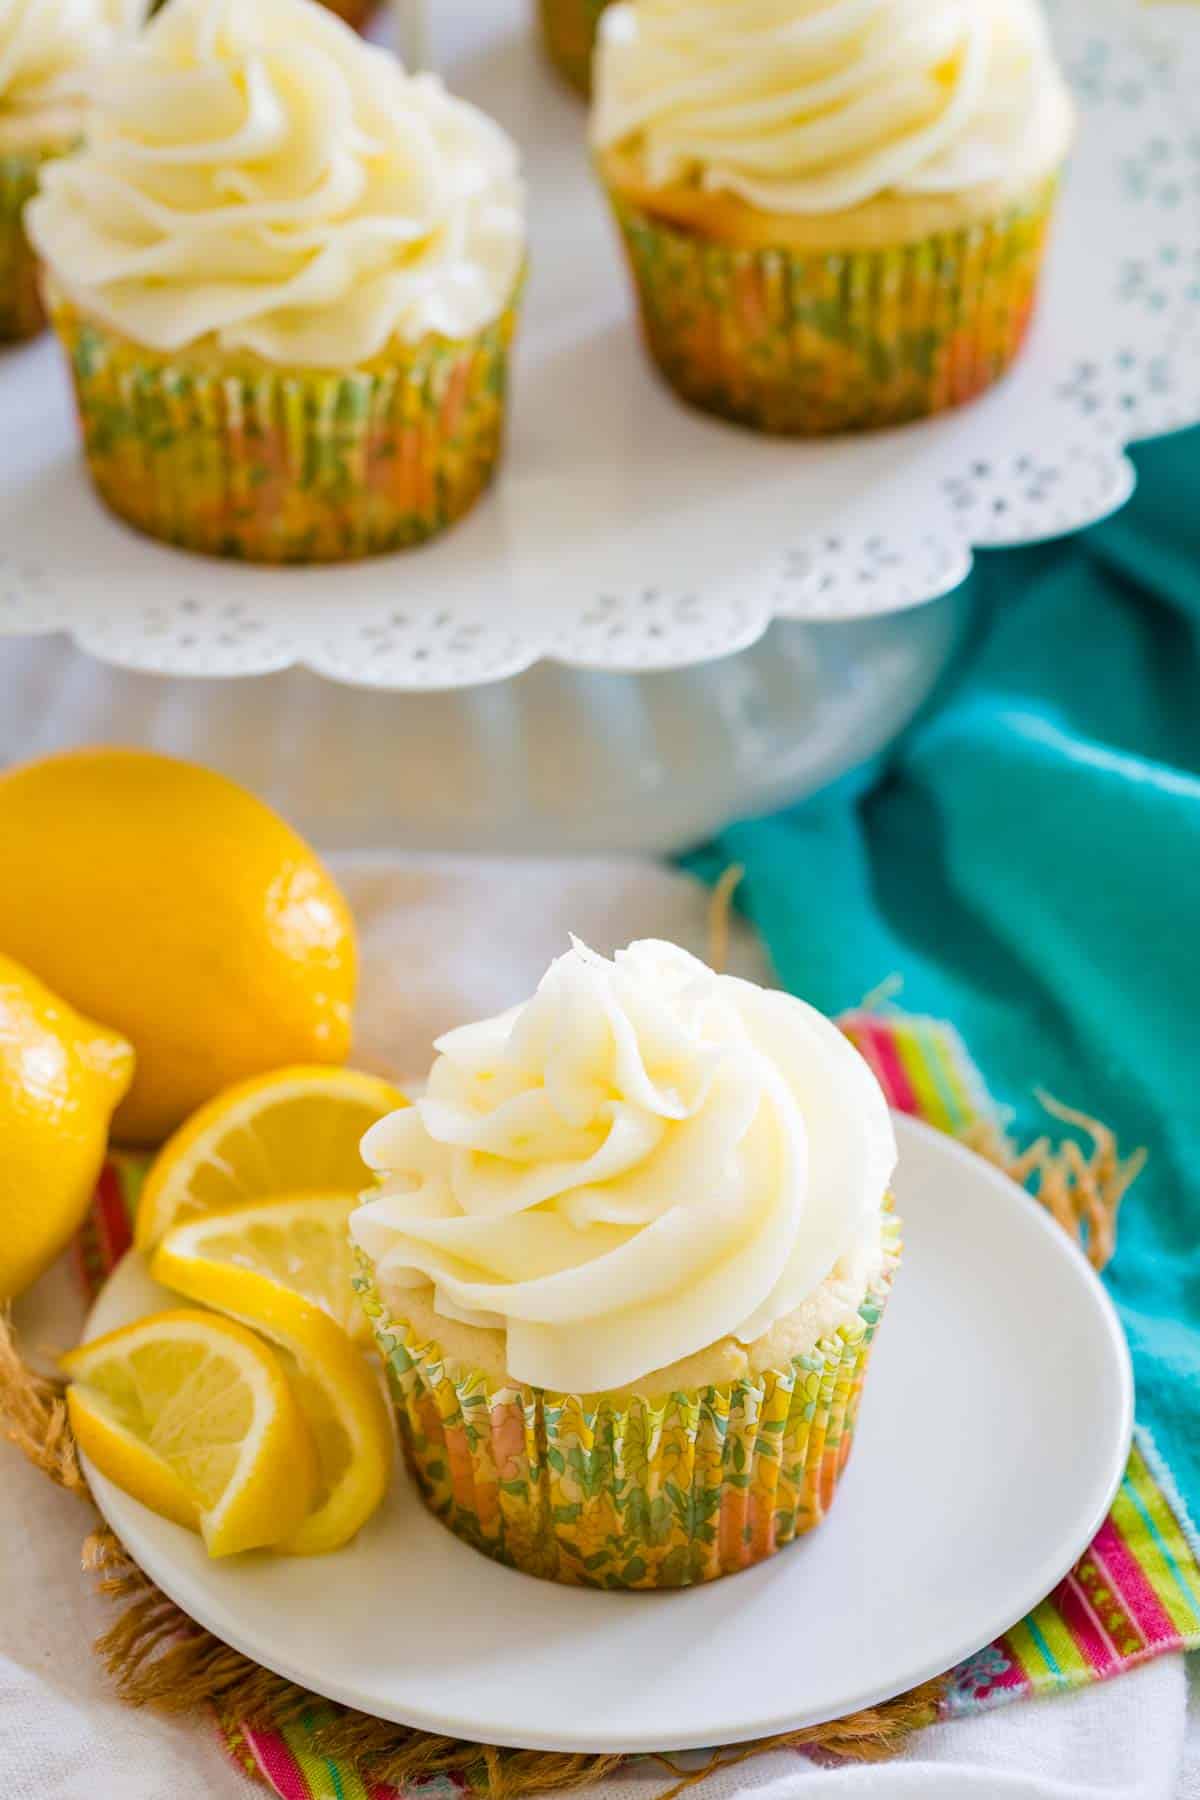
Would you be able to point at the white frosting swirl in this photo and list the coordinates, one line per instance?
(257, 175)
(814, 106)
(46, 46)
(643, 1159)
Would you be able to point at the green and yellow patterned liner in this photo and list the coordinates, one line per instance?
(644, 1493)
(569, 35)
(232, 456)
(809, 343)
(22, 313)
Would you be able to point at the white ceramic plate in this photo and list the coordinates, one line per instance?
(995, 1427)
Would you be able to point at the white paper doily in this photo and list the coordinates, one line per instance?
(630, 534)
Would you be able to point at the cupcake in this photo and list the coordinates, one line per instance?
(46, 47)
(625, 1267)
(569, 34)
(286, 275)
(835, 216)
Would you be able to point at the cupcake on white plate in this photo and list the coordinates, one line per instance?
(46, 49)
(625, 1268)
(286, 274)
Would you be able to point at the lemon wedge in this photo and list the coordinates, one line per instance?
(294, 1129)
(283, 1266)
(194, 1416)
(342, 1399)
(268, 1257)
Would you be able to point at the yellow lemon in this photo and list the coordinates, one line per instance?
(293, 1248)
(169, 902)
(60, 1078)
(351, 1425)
(284, 1266)
(295, 1128)
(194, 1416)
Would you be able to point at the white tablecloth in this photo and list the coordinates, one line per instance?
(444, 941)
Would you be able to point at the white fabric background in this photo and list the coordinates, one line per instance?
(444, 941)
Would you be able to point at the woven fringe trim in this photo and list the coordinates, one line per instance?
(33, 1416)
(1081, 1191)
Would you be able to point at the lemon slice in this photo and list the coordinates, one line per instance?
(292, 1129)
(237, 1259)
(343, 1401)
(194, 1416)
(240, 1262)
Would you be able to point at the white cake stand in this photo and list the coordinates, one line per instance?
(655, 620)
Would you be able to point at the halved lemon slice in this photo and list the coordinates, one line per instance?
(223, 1260)
(237, 1260)
(293, 1129)
(342, 1398)
(194, 1416)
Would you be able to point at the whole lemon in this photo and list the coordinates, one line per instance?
(60, 1078)
(166, 900)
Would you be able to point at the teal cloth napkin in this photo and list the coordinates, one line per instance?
(1027, 859)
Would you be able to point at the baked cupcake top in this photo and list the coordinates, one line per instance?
(812, 107)
(643, 1159)
(258, 177)
(46, 46)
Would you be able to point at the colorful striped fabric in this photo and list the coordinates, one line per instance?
(285, 1761)
(1133, 1595)
(923, 1068)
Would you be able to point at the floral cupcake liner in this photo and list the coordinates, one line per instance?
(22, 313)
(569, 34)
(645, 1493)
(235, 458)
(814, 342)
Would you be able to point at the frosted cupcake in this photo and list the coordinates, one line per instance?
(835, 213)
(46, 47)
(569, 34)
(286, 274)
(625, 1268)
